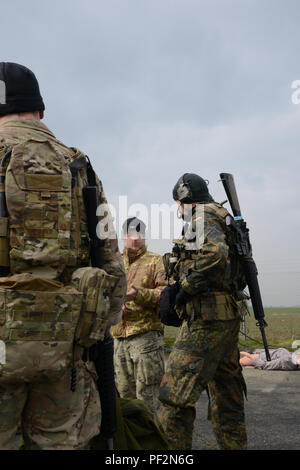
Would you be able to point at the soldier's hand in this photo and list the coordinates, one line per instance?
(125, 310)
(131, 294)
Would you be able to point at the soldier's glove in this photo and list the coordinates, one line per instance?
(167, 313)
(182, 297)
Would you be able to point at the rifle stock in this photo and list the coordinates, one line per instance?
(229, 186)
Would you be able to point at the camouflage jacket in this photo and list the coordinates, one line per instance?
(204, 265)
(17, 131)
(145, 271)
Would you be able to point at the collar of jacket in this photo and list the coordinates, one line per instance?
(27, 124)
(133, 255)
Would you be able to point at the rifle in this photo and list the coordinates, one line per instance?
(244, 251)
(102, 352)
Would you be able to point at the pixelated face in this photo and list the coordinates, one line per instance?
(134, 240)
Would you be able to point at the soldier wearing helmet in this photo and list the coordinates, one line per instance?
(205, 354)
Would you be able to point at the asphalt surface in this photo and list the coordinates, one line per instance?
(272, 412)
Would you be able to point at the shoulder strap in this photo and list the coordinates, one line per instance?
(91, 173)
(83, 162)
(4, 242)
(76, 165)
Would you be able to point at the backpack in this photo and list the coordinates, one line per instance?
(137, 428)
(43, 218)
(235, 279)
(46, 303)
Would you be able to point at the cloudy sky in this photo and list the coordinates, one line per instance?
(151, 89)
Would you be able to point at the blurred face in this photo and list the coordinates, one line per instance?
(186, 210)
(134, 240)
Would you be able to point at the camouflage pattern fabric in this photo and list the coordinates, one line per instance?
(204, 353)
(52, 417)
(38, 198)
(41, 258)
(20, 131)
(206, 350)
(40, 323)
(210, 263)
(97, 288)
(138, 339)
(145, 270)
(139, 367)
(37, 324)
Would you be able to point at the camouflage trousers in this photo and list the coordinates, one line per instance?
(52, 417)
(205, 354)
(139, 367)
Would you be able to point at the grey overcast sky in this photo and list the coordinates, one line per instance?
(151, 89)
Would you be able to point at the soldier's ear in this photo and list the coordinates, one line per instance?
(41, 114)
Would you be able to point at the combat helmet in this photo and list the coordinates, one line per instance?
(191, 188)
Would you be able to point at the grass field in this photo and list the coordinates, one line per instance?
(283, 328)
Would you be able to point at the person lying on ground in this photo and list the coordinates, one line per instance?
(281, 359)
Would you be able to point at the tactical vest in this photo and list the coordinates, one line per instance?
(213, 301)
(45, 302)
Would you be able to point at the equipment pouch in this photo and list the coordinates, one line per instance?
(97, 288)
(216, 306)
(39, 203)
(38, 318)
(167, 313)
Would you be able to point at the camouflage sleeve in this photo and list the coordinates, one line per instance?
(212, 261)
(112, 259)
(150, 297)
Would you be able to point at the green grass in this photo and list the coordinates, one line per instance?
(281, 310)
(283, 328)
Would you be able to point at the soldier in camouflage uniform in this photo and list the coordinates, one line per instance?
(206, 350)
(138, 338)
(51, 415)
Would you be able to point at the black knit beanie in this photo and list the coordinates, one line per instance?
(19, 90)
(133, 223)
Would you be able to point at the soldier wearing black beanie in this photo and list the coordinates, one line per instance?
(37, 195)
(19, 90)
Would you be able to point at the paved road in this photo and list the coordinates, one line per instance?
(272, 412)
